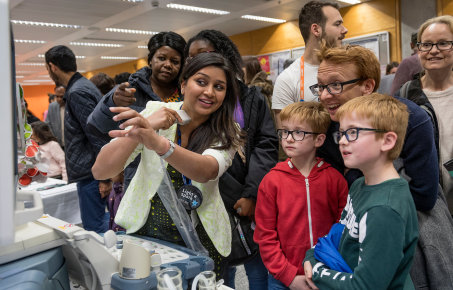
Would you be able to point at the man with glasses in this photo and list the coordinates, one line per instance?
(350, 72)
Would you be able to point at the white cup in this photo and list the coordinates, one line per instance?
(135, 262)
(205, 281)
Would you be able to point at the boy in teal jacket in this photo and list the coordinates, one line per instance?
(381, 230)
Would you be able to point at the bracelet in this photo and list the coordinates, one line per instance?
(170, 150)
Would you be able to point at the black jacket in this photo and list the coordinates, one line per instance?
(261, 149)
(413, 91)
(101, 118)
(81, 146)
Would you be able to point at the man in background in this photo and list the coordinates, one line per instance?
(318, 22)
(55, 115)
(81, 148)
(409, 67)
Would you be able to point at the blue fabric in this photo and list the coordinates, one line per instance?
(256, 273)
(92, 206)
(274, 284)
(326, 250)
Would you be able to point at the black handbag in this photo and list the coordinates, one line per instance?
(243, 248)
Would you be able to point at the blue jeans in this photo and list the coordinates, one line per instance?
(256, 273)
(92, 206)
(275, 284)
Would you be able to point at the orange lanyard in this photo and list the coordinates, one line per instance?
(302, 72)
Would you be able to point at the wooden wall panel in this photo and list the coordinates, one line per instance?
(361, 19)
(444, 7)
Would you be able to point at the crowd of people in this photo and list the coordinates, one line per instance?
(360, 200)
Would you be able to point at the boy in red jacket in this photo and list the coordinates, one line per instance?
(299, 199)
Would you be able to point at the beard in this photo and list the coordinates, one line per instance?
(330, 41)
(55, 78)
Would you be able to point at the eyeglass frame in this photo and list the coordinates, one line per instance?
(290, 132)
(435, 44)
(312, 87)
(346, 135)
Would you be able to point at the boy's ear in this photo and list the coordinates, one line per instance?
(320, 138)
(389, 141)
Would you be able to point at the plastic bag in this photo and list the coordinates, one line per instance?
(178, 214)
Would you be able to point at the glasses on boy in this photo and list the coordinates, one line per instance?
(352, 134)
(334, 88)
(441, 45)
(298, 135)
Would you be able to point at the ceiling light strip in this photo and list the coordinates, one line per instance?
(34, 81)
(197, 9)
(142, 46)
(351, 1)
(265, 19)
(77, 56)
(130, 31)
(119, 57)
(32, 63)
(29, 41)
(96, 44)
(46, 24)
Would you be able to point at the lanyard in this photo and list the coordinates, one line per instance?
(302, 73)
(184, 178)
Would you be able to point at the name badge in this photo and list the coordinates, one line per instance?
(190, 196)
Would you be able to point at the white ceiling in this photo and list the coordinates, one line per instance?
(151, 15)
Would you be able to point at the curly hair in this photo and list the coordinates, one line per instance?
(222, 45)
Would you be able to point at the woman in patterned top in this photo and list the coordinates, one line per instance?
(206, 147)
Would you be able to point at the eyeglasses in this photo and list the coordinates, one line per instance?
(441, 45)
(298, 135)
(352, 134)
(333, 88)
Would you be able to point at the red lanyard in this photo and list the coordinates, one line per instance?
(302, 72)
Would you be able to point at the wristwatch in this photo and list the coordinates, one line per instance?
(170, 150)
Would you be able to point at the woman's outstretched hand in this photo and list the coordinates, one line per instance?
(141, 129)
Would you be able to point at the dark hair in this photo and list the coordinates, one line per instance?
(170, 39)
(252, 67)
(42, 131)
(312, 13)
(51, 97)
(414, 39)
(121, 78)
(220, 127)
(103, 82)
(62, 57)
(389, 67)
(223, 45)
